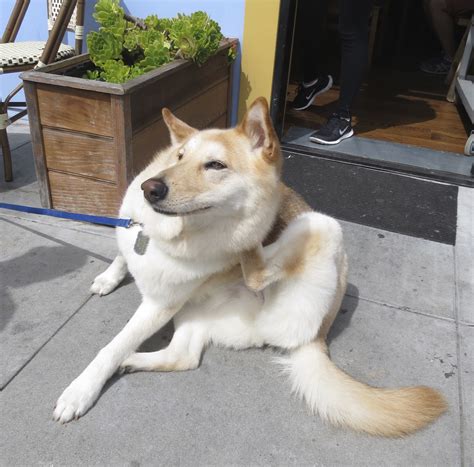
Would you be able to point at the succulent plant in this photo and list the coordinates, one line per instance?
(122, 49)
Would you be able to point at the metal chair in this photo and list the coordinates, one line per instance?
(467, 23)
(21, 56)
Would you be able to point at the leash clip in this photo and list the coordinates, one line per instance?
(133, 223)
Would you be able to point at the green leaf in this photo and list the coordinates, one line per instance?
(92, 74)
(232, 54)
(135, 71)
(152, 22)
(103, 46)
(115, 71)
(132, 39)
(156, 54)
(110, 16)
(195, 37)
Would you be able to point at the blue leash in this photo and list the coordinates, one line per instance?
(111, 221)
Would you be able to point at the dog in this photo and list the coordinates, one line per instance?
(235, 258)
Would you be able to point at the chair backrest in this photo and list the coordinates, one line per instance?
(53, 10)
(76, 22)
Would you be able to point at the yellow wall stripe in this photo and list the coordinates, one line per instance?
(258, 50)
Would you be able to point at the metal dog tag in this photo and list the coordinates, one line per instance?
(141, 243)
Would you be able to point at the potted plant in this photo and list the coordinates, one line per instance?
(96, 118)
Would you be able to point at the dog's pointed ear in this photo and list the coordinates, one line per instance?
(258, 127)
(179, 131)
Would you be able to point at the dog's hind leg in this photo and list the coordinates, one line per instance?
(110, 279)
(183, 353)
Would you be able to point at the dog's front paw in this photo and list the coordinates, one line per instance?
(75, 401)
(103, 284)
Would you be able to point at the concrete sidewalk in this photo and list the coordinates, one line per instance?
(407, 319)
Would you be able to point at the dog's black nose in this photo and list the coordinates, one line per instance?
(154, 190)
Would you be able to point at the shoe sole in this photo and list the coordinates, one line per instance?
(322, 91)
(337, 141)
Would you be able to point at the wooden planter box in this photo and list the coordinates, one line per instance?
(91, 138)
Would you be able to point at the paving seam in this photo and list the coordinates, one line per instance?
(465, 323)
(46, 342)
(22, 189)
(460, 366)
(20, 146)
(61, 242)
(402, 308)
(59, 224)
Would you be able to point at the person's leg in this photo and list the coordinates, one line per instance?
(441, 14)
(354, 33)
(311, 16)
(443, 25)
(310, 23)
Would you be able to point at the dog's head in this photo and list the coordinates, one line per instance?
(219, 171)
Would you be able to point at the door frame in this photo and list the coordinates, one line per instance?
(281, 75)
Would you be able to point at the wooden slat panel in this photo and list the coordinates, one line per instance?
(80, 154)
(83, 195)
(37, 141)
(122, 141)
(155, 137)
(73, 109)
(175, 90)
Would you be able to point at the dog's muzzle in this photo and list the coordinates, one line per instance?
(154, 190)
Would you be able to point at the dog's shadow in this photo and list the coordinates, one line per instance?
(158, 341)
(344, 317)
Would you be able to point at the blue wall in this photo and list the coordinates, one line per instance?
(33, 28)
(228, 13)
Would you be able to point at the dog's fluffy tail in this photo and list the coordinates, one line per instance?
(342, 400)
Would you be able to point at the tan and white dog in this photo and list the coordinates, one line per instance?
(237, 259)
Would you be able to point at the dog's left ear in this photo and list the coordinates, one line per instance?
(258, 127)
(179, 131)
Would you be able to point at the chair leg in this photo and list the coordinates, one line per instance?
(7, 156)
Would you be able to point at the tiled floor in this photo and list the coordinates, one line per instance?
(407, 319)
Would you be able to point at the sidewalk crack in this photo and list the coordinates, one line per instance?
(403, 308)
(19, 370)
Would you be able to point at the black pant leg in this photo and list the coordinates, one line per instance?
(354, 33)
(311, 16)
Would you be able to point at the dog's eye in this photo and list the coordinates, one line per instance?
(214, 165)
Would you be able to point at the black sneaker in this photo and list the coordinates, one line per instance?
(334, 131)
(308, 92)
